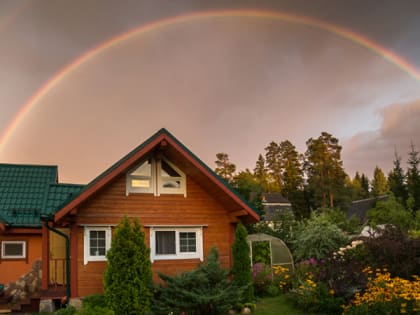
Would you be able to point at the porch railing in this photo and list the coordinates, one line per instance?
(57, 272)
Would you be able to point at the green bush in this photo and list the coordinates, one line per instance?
(69, 310)
(206, 290)
(317, 238)
(128, 277)
(392, 212)
(94, 300)
(95, 310)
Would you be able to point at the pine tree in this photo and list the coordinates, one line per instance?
(128, 276)
(365, 186)
(379, 183)
(324, 170)
(224, 168)
(260, 172)
(274, 167)
(413, 178)
(292, 173)
(396, 181)
(204, 291)
(241, 268)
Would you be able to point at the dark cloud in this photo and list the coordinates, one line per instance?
(399, 128)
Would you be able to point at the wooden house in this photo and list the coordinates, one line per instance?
(183, 206)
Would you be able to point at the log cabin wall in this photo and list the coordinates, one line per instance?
(110, 204)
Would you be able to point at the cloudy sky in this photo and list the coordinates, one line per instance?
(84, 82)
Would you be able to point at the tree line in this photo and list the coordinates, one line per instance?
(316, 178)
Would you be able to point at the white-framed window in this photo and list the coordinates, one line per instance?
(176, 243)
(13, 249)
(156, 176)
(97, 242)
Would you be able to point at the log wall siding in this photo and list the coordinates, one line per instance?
(112, 203)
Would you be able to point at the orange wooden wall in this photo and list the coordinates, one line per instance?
(111, 204)
(11, 270)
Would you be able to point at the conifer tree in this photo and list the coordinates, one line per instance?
(379, 183)
(324, 170)
(128, 276)
(413, 178)
(292, 173)
(396, 181)
(224, 168)
(206, 290)
(241, 268)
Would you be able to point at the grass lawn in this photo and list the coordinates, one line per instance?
(275, 306)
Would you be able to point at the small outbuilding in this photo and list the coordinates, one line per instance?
(279, 252)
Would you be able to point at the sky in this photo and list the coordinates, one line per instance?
(82, 83)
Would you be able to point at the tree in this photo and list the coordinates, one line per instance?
(274, 167)
(128, 276)
(364, 180)
(324, 170)
(379, 183)
(260, 172)
(241, 268)
(396, 181)
(246, 184)
(359, 186)
(291, 168)
(413, 179)
(224, 168)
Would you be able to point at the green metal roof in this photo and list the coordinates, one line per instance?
(58, 195)
(27, 191)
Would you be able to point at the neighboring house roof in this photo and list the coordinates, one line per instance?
(274, 204)
(27, 191)
(359, 208)
(164, 141)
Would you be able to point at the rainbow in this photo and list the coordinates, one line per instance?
(363, 41)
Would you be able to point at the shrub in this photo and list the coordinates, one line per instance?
(95, 310)
(241, 269)
(392, 249)
(317, 238)
(69, 310)
(204, 291)
(128, 277)
(261, 278)
(386, 295)
(392, 212)
(94, 300)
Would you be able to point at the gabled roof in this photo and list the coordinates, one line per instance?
(276, 198)
(359, 208)
(27, 191)
(173, 148)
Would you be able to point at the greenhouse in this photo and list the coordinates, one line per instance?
(280, 254)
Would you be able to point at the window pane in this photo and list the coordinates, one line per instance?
(187, 242)
(144, 170)
(172, 184)
(165, 242)
(97, 242)
(168, 171)
(140, 183)
(13, 249)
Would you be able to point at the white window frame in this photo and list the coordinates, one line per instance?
(3, 251)
(161, 180)
(151, 189)
(198, 254)
(108, 239)
(156, 180)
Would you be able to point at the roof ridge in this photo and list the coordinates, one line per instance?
(27, 165)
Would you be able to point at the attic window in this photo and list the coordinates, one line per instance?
(157, 176)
